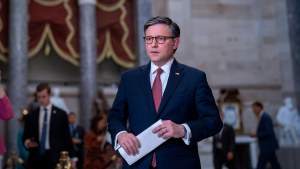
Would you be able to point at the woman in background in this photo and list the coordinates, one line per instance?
(97, 150)
(6, 112)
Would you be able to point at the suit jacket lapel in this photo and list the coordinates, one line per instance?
(36, 119)
(52, 118)
(174, 78)
(145, 83)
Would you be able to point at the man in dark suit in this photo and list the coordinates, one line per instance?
(267, 141)
(46, 132)
(164, 89)
(224, 147)
(77, 134)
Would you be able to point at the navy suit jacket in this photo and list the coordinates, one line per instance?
(186, 99)
(59, 134)
(265, 134)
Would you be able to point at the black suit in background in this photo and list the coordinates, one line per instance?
(59, 138)
(268, 143)
(78, 133)
(223, 143)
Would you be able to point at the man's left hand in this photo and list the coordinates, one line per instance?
(169, 129)
(73, 164)
(229, 155)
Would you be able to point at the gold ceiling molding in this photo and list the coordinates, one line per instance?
(72, 31)
(108, 50)
(126, 33)
(110, 8)
(2, 48)
(1, 23)
(50, 2)
(48, 33)
(3, 59)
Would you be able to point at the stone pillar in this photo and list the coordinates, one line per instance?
(143, 13)
(88, 65)
(293, 8)
(18, 50)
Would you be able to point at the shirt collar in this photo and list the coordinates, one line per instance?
(47, 107)
(166, 67)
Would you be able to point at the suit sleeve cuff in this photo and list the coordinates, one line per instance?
(117, 145)
(74, 159)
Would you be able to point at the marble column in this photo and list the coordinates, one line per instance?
(18, 50)
(143, 13)
(293, 8)
(88, 65)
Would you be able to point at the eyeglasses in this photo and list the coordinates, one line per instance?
(158, 39)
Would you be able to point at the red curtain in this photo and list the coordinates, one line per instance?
(55, 25)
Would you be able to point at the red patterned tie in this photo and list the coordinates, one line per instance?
(157, 95)
(157, 89)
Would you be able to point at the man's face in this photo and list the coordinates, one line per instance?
(256, 110)
(72, 118)
(101, 124)
(160, 54)
(43, 98)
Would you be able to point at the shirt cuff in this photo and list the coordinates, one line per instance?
(188, 134)
(117, 145)
(74, 159)
(26, 143)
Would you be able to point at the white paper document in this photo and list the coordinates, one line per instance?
(149, 141)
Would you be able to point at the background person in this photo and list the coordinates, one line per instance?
(97, 150)
(267, 141)
(224, 147)
(46, 132)
(6, 113)
(77, 133)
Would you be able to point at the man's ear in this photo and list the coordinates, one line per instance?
(176, 42)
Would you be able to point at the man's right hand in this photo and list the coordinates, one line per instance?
(230, 155)
(76, 141)
(129, 142)
(31, 144)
